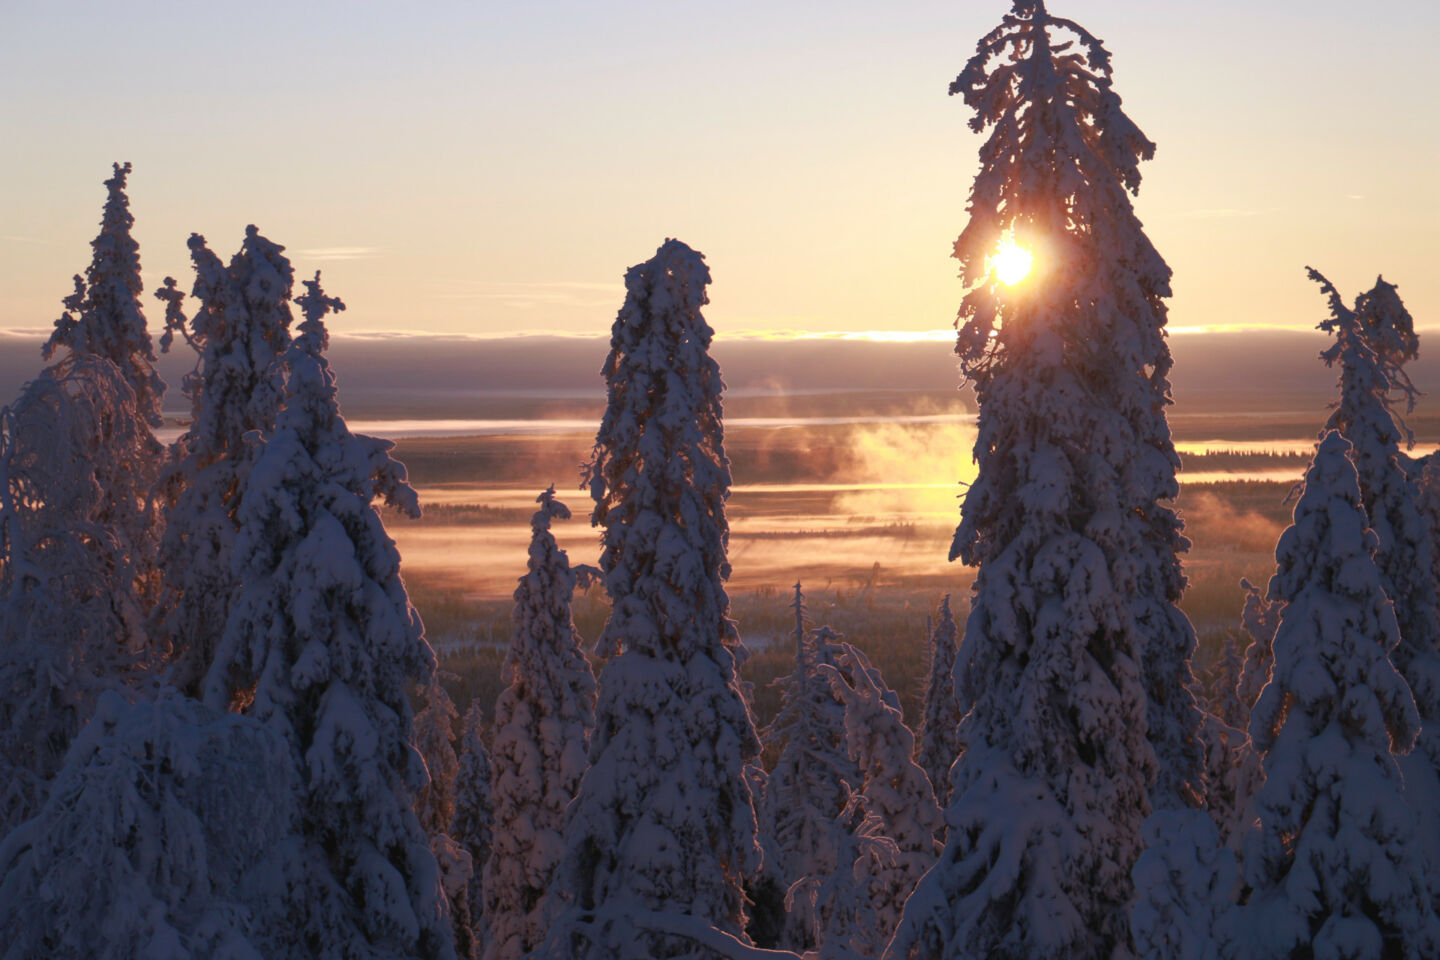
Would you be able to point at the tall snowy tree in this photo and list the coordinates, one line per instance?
(104, 318)
(73, 545)
(894, 790)
(154, 840)
(79, 540)
(1334, 867)
(1074, 647)
(240, 329)
(939, 744)
(805, 806)
(1369, 351)
(543, 721)
(322, 645)
(663, 830)
(1372, 342)
(473, 823)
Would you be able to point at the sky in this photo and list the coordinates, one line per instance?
(492, 168)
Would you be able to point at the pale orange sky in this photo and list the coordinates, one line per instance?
(494, 168)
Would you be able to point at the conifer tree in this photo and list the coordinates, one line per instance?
(154, 840)
(1223, 698)
(1371, 342)
(543, 721)
(663, 830)
(841, 902)
(71, 608)
(938, 741)
(1183, 884)
(435, 739)
(435, 806)
(1232, 775)
(240, 328)
(1232, 770)
(1232, 799)
(1333, 867)
(473, 821)
(323, 645)
(79, 538)
(1074, 647)
(104, 318)
(894, 790)
(810, 788)
(1260, 618)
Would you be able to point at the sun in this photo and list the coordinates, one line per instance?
(1011, 262)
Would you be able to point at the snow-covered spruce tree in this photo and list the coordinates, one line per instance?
(240, 328)
(71, 608)
(939, 744)
(1368, 351)
(1232, 775)
(473, 822)
(1260, 618)
(1232, 771)
(662, 832)
(156, 834)
(804, 809)
(435, 739)
(435, 806)
(103, 317)
(1334, 868)
(103, 320)
(1078, 554)
(1222, 695)
(1235, 798)
(543, 721)
(1183, 884)
(894, 789)
(841, 901)
(322, 645)
(766, 916)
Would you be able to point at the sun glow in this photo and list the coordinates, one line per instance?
(1011, 262)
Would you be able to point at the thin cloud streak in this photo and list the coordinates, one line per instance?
(1221, 213)
(324, 254)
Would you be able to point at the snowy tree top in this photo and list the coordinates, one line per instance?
(1387, 323)
(103, 316)
(1370, 348)
(550, 509)
(314, 339)
(240, 327)
(1042, 84)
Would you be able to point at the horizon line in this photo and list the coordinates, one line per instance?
(743, 334)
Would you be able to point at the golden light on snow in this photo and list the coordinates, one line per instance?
(1011, 262)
